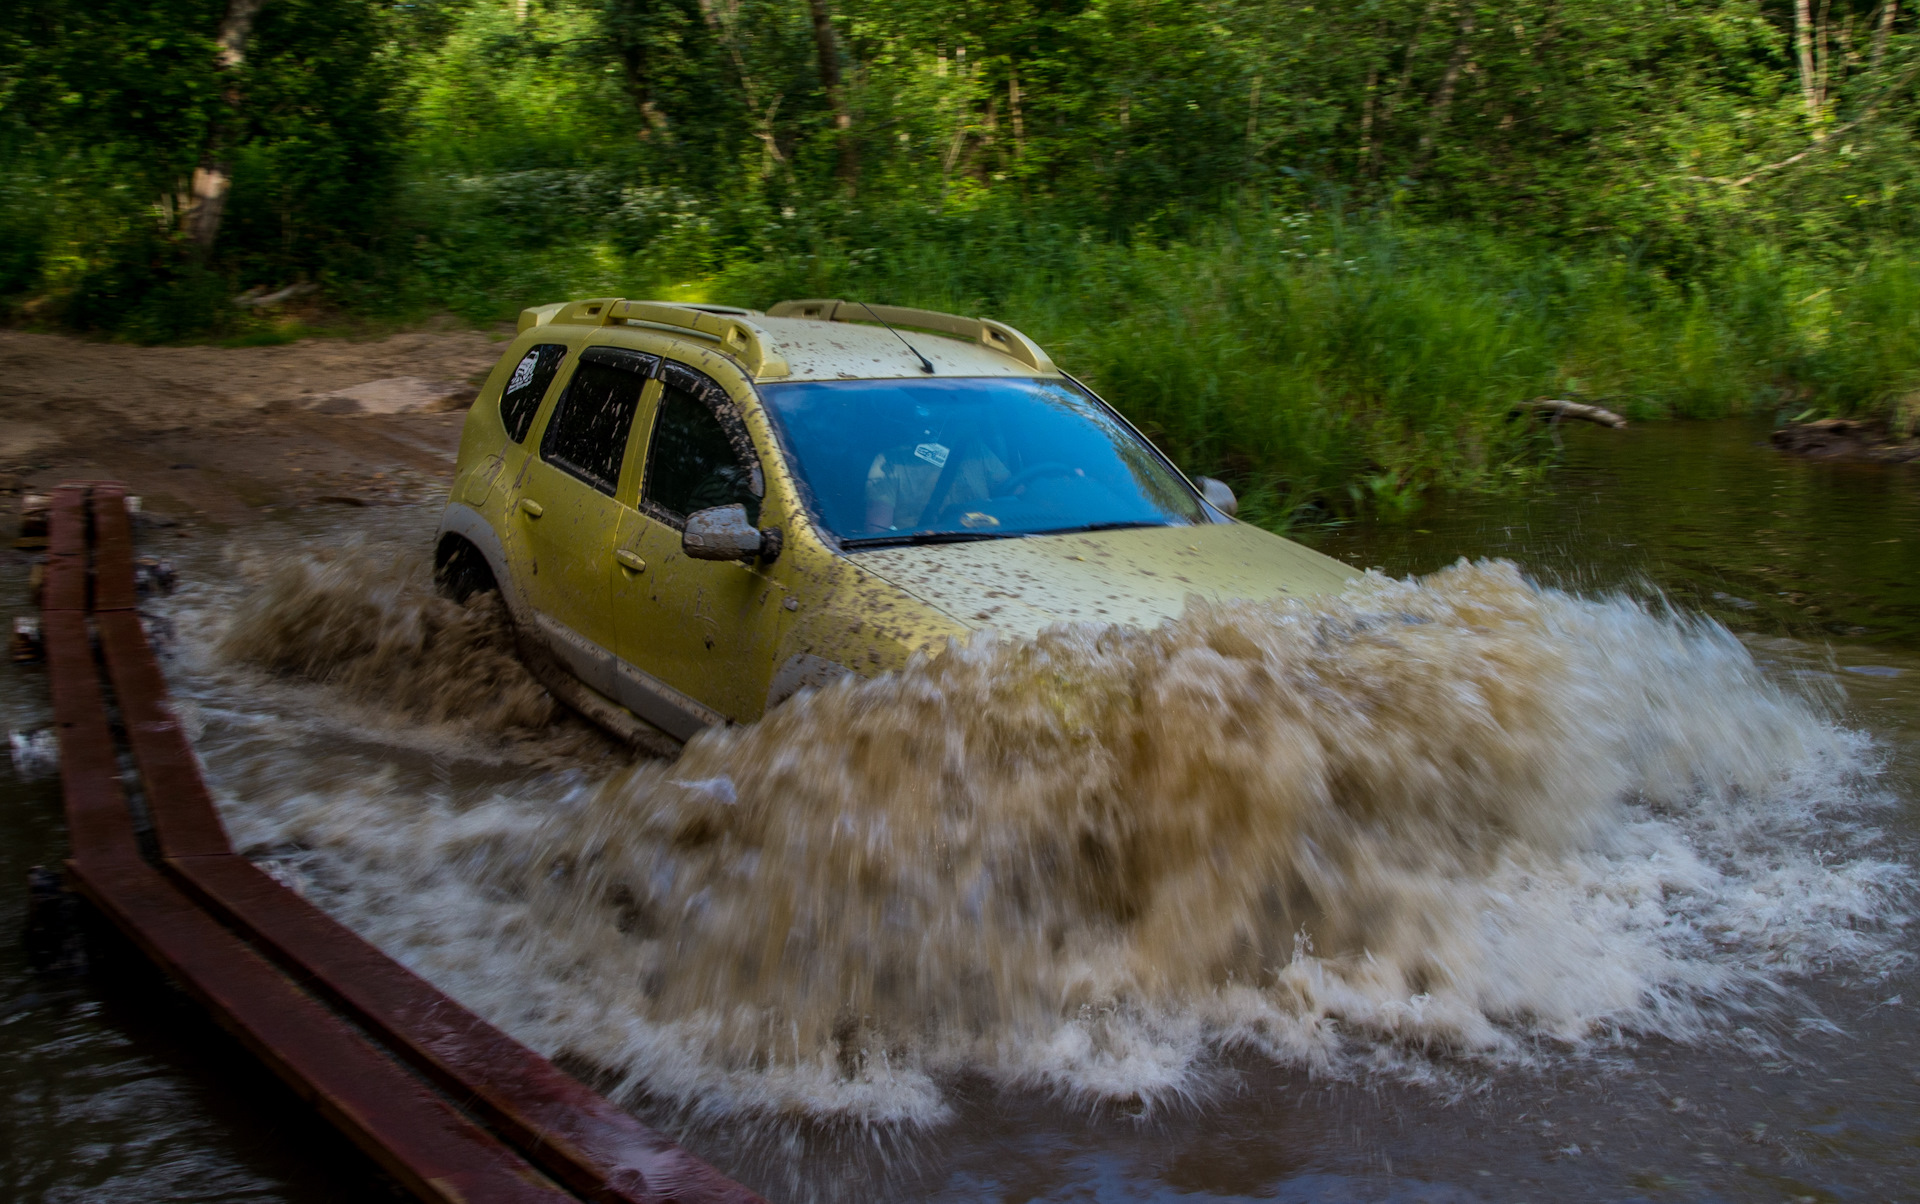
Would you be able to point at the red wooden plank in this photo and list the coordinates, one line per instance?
(398, 1120)
(66, 587)
(585, 1141)
(113, 587)
(184, 818)
(582, 1139)
(98, 825)
(381, 1106)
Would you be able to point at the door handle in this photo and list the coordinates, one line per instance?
(533, 508)
(630, 561)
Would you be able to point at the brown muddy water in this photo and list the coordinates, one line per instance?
(1584, 877)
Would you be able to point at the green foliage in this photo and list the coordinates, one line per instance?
(144, 292)
(1319, 250)
(1325, 367)
(315, 177)
(109, 108)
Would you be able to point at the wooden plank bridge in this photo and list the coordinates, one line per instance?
(452, 1107)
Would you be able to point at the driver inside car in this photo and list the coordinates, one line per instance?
(723, 485)
(902, 480)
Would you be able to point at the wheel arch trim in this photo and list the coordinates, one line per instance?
(462, 520)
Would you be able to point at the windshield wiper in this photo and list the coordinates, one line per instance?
(915, 538)
(1115, 526)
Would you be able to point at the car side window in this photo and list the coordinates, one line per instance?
(587, 435)
(697, 457)
(520, 401)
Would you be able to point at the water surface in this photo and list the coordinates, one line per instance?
(1637, 938)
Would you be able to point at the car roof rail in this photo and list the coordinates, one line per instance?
(994, 336)
(726, 325)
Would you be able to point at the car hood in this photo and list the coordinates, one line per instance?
(1138, 576)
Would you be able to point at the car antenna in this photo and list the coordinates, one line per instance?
(926, 365)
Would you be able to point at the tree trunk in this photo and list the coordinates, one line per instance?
(215, 174)
(1888, 13)
(1013, 106)
(1366, 117)
(1253, 118)
(1406, 64)
(829, 53)
(724, 27)
(1443, 99)
(638, 67)
(1809, 77)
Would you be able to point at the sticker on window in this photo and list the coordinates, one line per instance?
(523, 375)
(933, 453)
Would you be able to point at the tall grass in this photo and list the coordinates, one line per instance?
(1326, 368)
(1323, 366)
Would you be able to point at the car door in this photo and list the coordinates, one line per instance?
(567, 513)
(704, 630)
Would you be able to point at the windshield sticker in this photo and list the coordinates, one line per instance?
(933, 453)
(975, 520)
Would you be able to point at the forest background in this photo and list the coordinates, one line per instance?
(1318, 250)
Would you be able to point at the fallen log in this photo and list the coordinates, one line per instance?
(253, 298)
(1556, 410)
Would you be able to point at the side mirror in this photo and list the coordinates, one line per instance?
(720, 533)
(1218, 495)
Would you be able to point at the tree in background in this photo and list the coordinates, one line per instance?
(1319, 250)
(177, 149)
(407, 147)
(207, 200)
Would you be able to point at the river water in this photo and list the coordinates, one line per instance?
(1580, 873)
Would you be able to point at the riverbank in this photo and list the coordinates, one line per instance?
(212, 436)
(1872, 440)
(1326, 369)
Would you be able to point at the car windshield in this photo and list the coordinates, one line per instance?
(928, 460)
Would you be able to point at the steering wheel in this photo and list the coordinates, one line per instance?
(1032, 473)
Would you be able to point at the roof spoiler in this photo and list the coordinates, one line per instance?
(994, 336)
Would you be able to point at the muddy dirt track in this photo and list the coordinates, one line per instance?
(214, 436)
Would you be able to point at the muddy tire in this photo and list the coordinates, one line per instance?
(460, 571)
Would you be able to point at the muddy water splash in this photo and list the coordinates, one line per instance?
(1426, 824)
(369, 626)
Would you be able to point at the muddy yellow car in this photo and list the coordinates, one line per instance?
(694, 512)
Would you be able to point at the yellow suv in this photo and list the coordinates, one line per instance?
(693, 512)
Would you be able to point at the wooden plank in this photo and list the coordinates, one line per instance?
(581, 1138)
(184, 818)
(435, 1152)
(66, 587)
(113, 587)
(382, 1107)
(98, 825)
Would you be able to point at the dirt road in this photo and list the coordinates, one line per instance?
(212, 436)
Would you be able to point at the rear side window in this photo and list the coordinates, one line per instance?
(531, 376)
(694, 461)
(587, 435)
